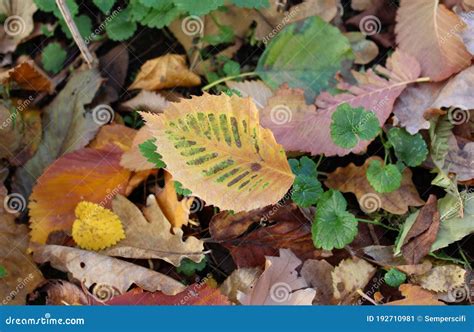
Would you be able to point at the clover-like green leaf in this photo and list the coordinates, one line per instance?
(349, 125)
(333, 226)
(189, 267)
(50, 6)
(83, 23)
(411, 149)
(199, 8)
(104, 5)
(394, 278)
(121, 27)
(306, 190)
(303, 166)
(382, 178)
(53, 57)
(148, 150)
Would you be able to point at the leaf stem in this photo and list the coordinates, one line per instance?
(227, 78)
(378, 224)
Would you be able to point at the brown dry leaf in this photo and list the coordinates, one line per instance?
(177, 212)
(147, 101)
(240, 280)
(326, 9)
(149, 235)
(349, 276)
(433, 37)
(352, 179)
(18, 24)
(116, 134)
(318, 274)
(28, 76)
(167, 71)
(133, 159)
(364, 50)
(415, 295)
(362, 4)
(257, 90)
(279, 283)
(58, 292)
(422, 234)
(460, 158)
(89, 268)
(442, 278)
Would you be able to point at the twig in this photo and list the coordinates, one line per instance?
(86, 54)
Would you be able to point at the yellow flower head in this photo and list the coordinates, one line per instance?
(96, 228)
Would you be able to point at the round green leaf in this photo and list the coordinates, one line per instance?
(382, 178)
(306, 190)
(394, 278)
(411, 149)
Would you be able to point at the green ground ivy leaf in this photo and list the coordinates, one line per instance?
(198, 8)
(53, 57)
(351, 124)
(394, 278)
(3, 272)
(306, 55)
(303, 166)
(383, 179)
(411, 149)
(333, 226)
(120, 27)
(83, 23)
(148, 150)
(251, 3)
(157, 18)
(104, 5)
(50, 6)
(306, 190)
(189, 268)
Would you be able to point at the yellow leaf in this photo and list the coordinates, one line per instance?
(167, 71)
(215, 146)
(349, 276)
(96, 228)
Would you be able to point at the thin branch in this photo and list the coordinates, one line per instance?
(86, 54)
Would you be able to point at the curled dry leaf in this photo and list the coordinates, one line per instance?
(353, 179)
(28, 76)
(58, 292)
(240, 280)
(147, 101)
(279, 284)
(215, 147)
(96, 176)
(421, 236)
(167, 71)
(415, 295)
(89, 268)
(349, 276)
(149, 235)
(433, 37)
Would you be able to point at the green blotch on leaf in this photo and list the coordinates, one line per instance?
(411, 149)
(383, 179)
(189, 267)
(3, 272)
(305, 54)
(306, 190)
(333, 226)
(53, 57)
(394, 278)
(148, 150)
(349, 125)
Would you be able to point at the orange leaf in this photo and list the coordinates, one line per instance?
(415, 295)
(86, 174)
(29, 77)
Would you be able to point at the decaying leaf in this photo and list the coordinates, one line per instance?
(240, 280)
(352, 178)
(147, 101)
(18, 24)
(149, 235)
(364, 50)
(419, 239)
(87, 174)
(58, 292)
(133, 159)
(433, 37)
(89, 268)
(349, 276)
(257, 90)
(318, 274)
(279, 284)
(167, 71)
(215, 147)
(442, 278)
(415, 295)
(28, 76)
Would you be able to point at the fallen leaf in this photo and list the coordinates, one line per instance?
(352, 179)
(89, 268)
(415, 295)
(362, 4)
(279, 283)
(147, 101)
(113, 67)
(257, 90)
(467, 33)
(349, 276)
(433, 38)
(364, 50)
(58, 292)
(133, 159)
(18, 24)
(240, 280)
(116, 134)
(28, 76)
(215, 147)
(167, 71)
(422, 234)
(86, 174)
(149, 235)
(318, 274)
(442, 278)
